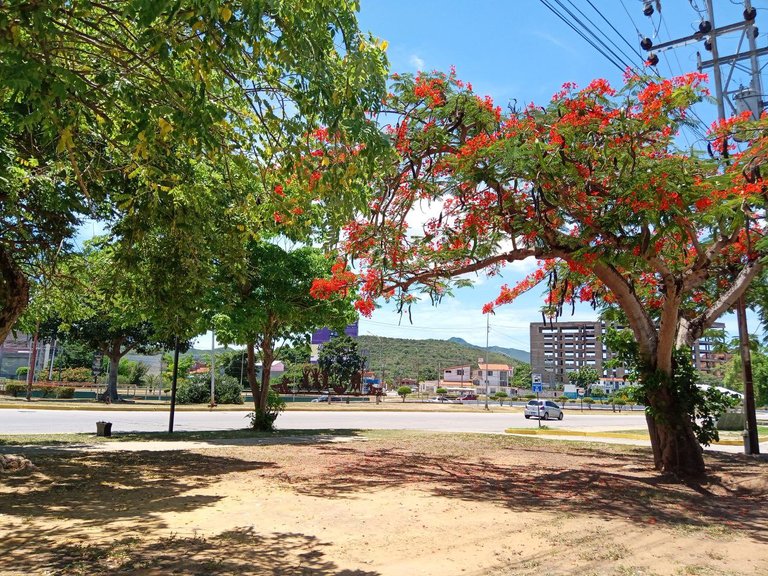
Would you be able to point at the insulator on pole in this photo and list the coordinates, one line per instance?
(653, 59)
(646, 43)
(750, 13)
(648, 9)
(705, 26)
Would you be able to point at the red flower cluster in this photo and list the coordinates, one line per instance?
(339, 283)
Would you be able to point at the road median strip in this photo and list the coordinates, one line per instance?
(639, 435)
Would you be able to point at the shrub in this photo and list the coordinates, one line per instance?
(21, 372)
(264, 420)
(65, 392)
(15, 388)
(529, 396)
(588, 401)
(76, 375)
(193, 392)
(441, 391)
(228, 391)
(46, 390)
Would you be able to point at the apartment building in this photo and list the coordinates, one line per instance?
(558, 348)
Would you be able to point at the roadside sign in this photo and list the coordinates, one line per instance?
(536, 378)
(538, 388)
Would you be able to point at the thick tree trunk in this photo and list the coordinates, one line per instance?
(267, 356)
(14, 292)
(250, 371)
(675, 448)
(114, 354)
(32, 365)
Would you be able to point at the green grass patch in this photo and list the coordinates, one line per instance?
(627, 434)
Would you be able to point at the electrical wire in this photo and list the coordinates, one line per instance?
(604, 53)
(586, 27)
(627, 42)
(602, 32)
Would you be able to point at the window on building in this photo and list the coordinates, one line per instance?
(490, 372)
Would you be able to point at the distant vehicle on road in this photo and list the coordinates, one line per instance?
(468, 398)
(731, 393)
(543, 409)
(325, 399)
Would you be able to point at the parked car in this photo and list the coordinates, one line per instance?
(543, 409)
(440, 399)
(325, 399)
(468, 398)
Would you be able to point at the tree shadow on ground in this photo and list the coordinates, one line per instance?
(75, 494)
(570, 480)
(238, 551)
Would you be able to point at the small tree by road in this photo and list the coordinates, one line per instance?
(501, 396)
(403, 391)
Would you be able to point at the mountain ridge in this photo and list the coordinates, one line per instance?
(516, 353)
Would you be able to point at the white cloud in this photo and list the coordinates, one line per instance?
(416, 62)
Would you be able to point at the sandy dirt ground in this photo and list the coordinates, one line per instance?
(380, 504)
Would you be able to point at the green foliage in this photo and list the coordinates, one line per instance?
(193, 391)
(403, 391)
(197, 390)
(264, 420)
(400, 358)
(21, 372)
(228, 391)
(15, 388)
(46, 390)
(501, 396)
(132, 371)
(340, 358)
(73, 354)
(588, 401)
(733, 379)
(585, 377)
(680, 394)
(442, 391)
(186, 361)
(76, 375)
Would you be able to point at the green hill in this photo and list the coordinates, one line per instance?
(401, 357)
(517, 354)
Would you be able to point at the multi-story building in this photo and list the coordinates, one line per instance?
(498, 377)
(460, 374)
(558, 348)
(14, 353)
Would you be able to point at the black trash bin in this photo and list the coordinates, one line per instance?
(103, 428)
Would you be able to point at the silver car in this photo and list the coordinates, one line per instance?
(543, 409)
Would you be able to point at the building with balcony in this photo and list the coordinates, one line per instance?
(558, 348)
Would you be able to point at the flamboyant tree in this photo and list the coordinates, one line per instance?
(593, 186)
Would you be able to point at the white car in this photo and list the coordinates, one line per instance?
(543, 409)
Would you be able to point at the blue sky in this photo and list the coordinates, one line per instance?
(519, 50)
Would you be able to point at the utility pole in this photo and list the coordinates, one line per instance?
(751, 99)
(487, 333)
(213, 369)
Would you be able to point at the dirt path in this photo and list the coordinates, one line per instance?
(396, 504)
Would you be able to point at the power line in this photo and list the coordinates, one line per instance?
(600, 31)
(583, 36)
(627, 42)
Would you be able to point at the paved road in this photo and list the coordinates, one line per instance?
(21, 421)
